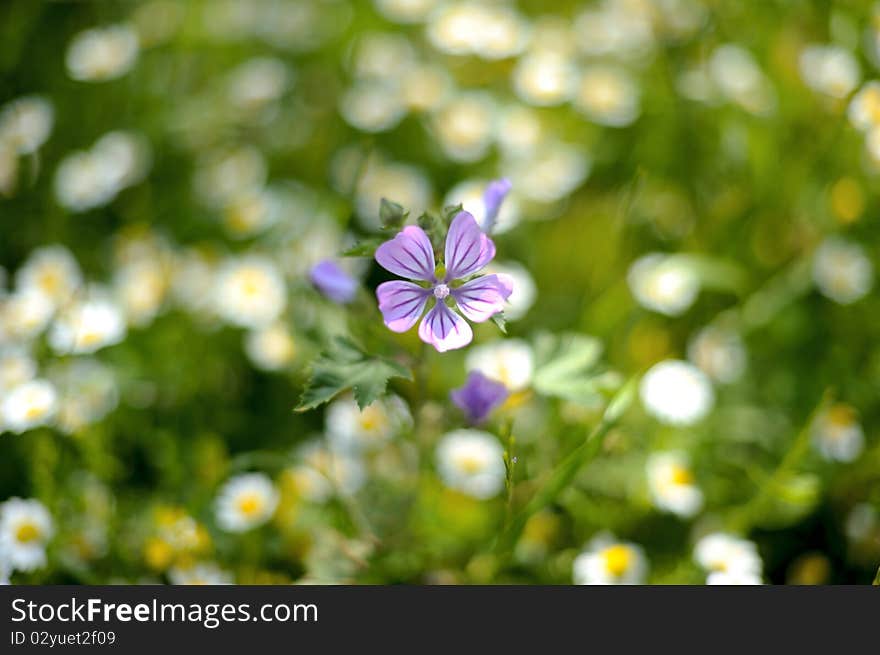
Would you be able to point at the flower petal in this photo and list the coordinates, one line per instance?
(479, 396)
(444, 329)
(483, 297)
(333, 282)
(408, 255)
(401, 303)
(493, 196)
(467, 248)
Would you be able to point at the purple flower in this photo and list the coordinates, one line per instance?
(411, 255)
(333, 282)
(479, 396)
(493, 196)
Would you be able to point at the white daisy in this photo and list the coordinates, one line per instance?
(270, 348)
(87, 326)
(837, 434)
(25, 313)
(25, 529)
(204, 573)
(405, 11)
(16, 367)
(464, 126)
(829, 69)
(729, 578)
(28, 405)
(53, 271)
(676, 392)
(736, 559)
(509, 361)
(102, 53)
(140, 287)
(485, 30)
(25, 123)
(663, 283)
(323, 472)
(737, 75)
(720, 353)
(84, 181)
(250, 291)
(550, 172)
(226, 174)
(245, 502)
(373, 105)
(545, 78)
(258, 82)
(88, 392)
(354, 430)
(472, 462)
(608, 561)
(672, 484)
(607, 96)
(864, 108)
(842, 270)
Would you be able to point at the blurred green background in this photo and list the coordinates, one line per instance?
(724, 133)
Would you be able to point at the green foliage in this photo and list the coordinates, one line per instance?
(344, 366)
(567, 366)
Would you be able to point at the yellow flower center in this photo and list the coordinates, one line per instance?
(679, 475)
(249, 504)
(251, 283)
(618, 559)
(34, 411)
(89, 338)
(841, 415)
(26, 533)
(372, 419)
(50, 281)
(470, 464)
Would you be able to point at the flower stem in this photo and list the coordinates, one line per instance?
(565, 472)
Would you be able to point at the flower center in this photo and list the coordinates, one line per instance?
(617, 559)
(249, 504)
(26, 533)
(441, 291)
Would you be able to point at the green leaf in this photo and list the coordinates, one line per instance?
(345, 366)
(499, 320)
(435, 228)
(450, 212)
(567, 366)
(365, 248)
(392, 215)
(561, 476)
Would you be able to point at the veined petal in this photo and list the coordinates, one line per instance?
(401, 303)
(408, 255)
(468, 249)
(444, 329)
(483, 297)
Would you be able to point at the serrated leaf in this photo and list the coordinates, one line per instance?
(391, 215)
(345, 366)
(365, 248)
(567, 366)
(499, 320)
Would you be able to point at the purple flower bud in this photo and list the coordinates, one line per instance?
(479, 396)
(493, 196)
(333, 282)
